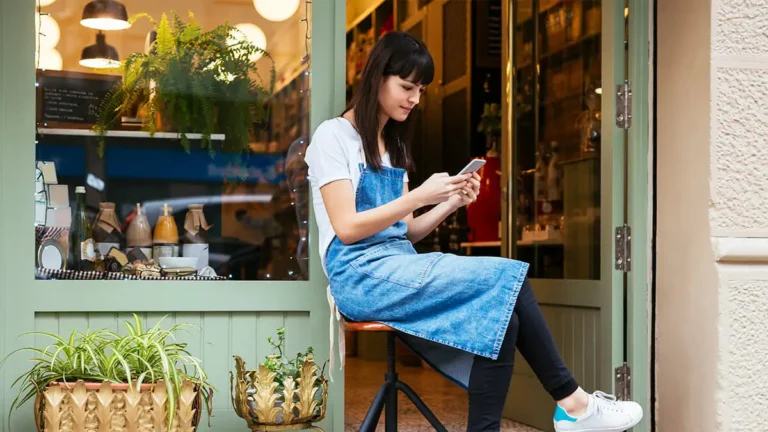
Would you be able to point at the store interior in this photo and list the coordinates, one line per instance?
(228, 200)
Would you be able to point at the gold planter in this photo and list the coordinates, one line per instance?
(296, 407)
(102, 407)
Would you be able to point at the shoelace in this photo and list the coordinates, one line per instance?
(605, 401)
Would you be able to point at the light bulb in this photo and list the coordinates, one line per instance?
(276, 10)
(50, 59)
(251, 33)
(50, 33)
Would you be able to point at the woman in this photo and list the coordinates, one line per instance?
(464, 315)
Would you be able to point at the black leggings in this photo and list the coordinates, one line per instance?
(489, 379)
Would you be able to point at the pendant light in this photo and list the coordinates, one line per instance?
(105, 15)
(100, 55)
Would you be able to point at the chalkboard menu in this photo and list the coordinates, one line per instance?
(71, 99)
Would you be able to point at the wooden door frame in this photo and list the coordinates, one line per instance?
(639, 207)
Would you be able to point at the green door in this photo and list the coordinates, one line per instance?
(574, 180)
(236, 317)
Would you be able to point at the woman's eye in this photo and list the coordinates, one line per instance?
(407, 88)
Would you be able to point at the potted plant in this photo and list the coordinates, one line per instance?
(99, 380)
(191, 81)
(283, 393)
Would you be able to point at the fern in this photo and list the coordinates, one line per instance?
(195, 81)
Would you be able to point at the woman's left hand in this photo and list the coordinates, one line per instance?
(468, 194)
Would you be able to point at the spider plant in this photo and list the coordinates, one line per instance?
(142, 355)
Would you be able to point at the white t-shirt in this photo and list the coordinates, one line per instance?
(334, 153)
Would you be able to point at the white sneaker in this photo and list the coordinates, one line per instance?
(604, 414)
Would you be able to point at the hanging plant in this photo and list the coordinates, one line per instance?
(191, 81)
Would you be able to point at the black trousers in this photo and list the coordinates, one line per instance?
(489, 379)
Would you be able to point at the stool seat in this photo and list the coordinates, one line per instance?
(386, 397)
(369, 326)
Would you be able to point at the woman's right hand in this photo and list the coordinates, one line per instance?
(439, 187)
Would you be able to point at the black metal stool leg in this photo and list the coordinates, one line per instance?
(425, 411)
(390, 407)
(374, 412)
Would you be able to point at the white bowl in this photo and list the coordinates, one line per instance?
(178, 262)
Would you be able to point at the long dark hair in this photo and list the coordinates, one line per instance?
(396, 53)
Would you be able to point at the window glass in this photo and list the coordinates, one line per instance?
(170, 139)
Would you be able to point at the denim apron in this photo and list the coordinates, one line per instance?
(446, 308)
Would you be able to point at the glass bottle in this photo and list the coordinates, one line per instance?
(82, 253)
(166, 238)
(139, 234)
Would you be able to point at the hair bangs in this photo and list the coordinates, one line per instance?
(413, 63)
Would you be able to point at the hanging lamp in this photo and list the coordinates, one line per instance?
(100, 55)
(105, 15)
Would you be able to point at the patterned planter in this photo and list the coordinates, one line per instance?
(109, 407)
(256, 400)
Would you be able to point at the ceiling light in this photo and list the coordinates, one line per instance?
(100, 55)
(49, 32)
(250, 33)
(276, 10)
(105, 15)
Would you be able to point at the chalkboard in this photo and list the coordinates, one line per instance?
(70, 98)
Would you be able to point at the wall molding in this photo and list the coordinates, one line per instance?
(740, 250)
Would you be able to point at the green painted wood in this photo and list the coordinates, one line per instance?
(612, 200)
(228, 312)
(640, 209)
(328, 99)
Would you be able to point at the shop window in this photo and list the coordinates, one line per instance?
(170, 140)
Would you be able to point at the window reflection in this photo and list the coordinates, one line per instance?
(184, 162)
(556, 130)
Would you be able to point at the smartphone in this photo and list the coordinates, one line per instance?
(473, 166)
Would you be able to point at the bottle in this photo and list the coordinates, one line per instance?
(166, 239)
(139, 234)
(196, 235)
(82, 253)
(106, 229)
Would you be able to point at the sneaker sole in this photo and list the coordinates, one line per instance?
(621, 429)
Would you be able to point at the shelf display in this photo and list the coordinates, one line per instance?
(175, 166)
(556, 143)
(196, 236)
(165, 241)
(106, 229)
(139, 234)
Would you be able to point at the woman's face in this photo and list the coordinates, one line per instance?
(397, 97)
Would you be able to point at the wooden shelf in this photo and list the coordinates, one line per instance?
(125, 134)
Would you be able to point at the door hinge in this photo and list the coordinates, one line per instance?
(624, 105)
(623, 383)
(624, 248)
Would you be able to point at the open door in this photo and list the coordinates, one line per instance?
(566, 172)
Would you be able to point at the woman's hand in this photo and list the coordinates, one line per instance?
(468, 194)
(440, 188)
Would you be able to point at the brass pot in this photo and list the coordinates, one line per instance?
(296, 407)
(65, 407)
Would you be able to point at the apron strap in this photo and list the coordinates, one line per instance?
(335, 316)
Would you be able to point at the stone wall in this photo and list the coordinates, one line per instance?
(712, 237)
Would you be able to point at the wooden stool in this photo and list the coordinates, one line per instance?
(386, 397)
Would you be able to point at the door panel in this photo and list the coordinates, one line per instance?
(565, 171)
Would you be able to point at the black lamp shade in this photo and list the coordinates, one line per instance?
(100, 55)
(105, 15)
